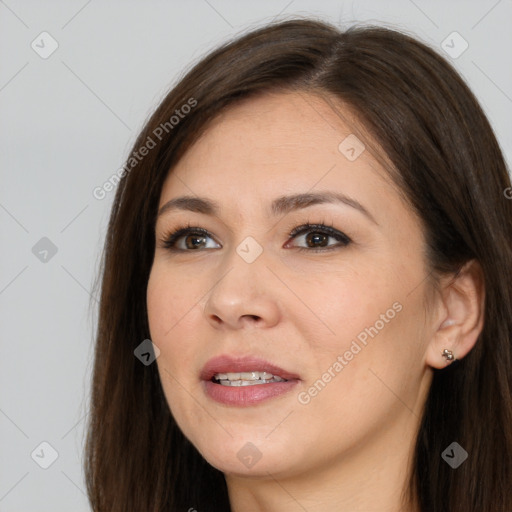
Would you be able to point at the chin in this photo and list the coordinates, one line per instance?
(246, 462)
(248, 456)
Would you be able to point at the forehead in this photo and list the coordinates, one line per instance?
(280, 143)
(276, 131)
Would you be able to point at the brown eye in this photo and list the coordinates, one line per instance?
(316, 237)
(194, 239)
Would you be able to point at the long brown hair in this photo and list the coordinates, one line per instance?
(445, 160)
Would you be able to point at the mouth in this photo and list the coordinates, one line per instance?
(253, 378)
(245, 381)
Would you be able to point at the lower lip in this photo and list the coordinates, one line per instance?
(243, 396)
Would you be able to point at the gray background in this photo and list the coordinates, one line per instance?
(68, 122)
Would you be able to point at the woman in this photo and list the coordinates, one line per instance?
(316, 240)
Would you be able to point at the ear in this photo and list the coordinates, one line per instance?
(461, 318)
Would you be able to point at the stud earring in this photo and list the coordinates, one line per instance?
(448, 355)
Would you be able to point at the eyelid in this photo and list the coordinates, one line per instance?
(170, 237)
(324, 228)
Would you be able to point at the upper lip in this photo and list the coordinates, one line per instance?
(230, 364)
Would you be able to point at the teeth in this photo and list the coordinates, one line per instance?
(246, 378)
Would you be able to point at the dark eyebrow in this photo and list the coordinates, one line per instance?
(279, 206)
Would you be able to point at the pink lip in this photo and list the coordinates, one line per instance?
(245, 395)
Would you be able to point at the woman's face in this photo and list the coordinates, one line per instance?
(334, 311)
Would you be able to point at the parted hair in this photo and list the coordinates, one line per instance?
(445, 160)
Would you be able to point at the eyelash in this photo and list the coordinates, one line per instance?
(169, 240)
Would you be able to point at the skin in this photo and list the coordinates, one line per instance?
(348, 448)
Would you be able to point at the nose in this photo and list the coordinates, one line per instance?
(245, 296)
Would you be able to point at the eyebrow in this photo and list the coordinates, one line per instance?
(279, 206)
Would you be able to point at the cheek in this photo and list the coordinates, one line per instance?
(160, 305)
(344, 303)
(367, 318)
(171, 316)
(170, 299)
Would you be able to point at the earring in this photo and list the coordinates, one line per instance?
(448, 355)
